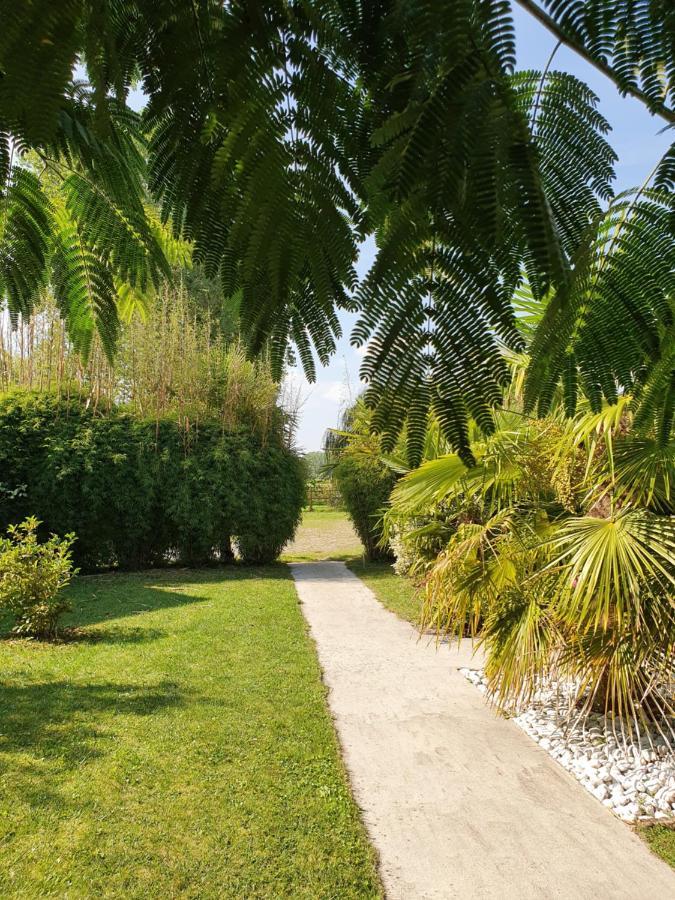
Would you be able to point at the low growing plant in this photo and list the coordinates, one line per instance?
(560, 560)
(33, 576)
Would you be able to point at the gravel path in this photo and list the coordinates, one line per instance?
(458, 803)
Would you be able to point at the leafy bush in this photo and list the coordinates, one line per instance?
(363, 479)
(32, 578)
(416, 541)
(365, 485)
(140, 493)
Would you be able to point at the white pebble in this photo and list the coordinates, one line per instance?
(600, 792)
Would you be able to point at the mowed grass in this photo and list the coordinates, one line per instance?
(661, 840)
(396, 592)
(180, 747)
(324, 533)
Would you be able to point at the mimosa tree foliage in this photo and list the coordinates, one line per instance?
(280, 134)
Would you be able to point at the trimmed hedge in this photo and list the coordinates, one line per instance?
(365, 485)
(139, 493)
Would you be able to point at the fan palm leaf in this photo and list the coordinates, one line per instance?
(610, 567)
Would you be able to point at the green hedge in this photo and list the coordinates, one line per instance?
(141, 493)
(365, 485)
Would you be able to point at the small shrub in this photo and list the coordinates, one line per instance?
(363, 478)
(32, 578)
(417, 538)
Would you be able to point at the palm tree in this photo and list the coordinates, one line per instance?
(561, 557)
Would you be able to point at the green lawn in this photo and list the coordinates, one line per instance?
(396, 592)
(181, 747)
(661, 840)
(324, 533)
(328, 514)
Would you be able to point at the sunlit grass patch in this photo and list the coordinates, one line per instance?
(182, 747)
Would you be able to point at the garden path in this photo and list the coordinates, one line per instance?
(458, 803)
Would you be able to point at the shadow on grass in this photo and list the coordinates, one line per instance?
(119, 595)
(112, 635)
(62, 718)
(47, 728)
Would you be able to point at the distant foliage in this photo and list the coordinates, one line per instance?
(139, 492)
(315, 462)
(323, 492)
(365, 485)
(363, 479)
(322, 488)
(32, 578)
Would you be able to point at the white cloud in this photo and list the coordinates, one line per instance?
(335, 392)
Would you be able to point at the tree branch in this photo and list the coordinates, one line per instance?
(549, 23)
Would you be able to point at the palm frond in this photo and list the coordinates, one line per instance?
(613, 314)
(526, 167)
(73, 211)
(632, 42)
(609, 567)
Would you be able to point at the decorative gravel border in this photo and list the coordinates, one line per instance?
(636, 782)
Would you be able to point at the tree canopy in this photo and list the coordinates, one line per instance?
(278, 135)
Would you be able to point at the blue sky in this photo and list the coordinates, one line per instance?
(636, 139)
